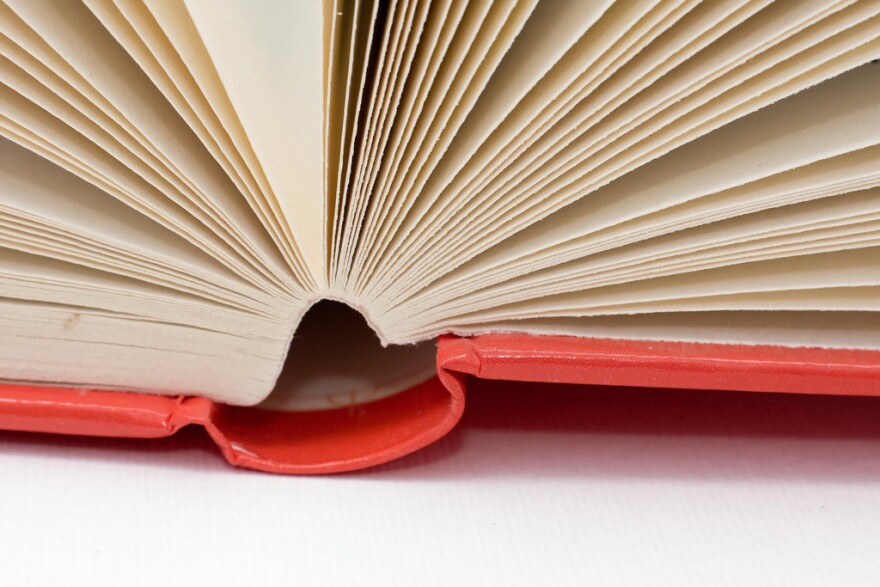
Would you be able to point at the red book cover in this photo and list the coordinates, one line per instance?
(364, 435)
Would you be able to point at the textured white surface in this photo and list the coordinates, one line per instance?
(558, 487)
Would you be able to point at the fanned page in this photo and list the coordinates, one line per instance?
(182, 180)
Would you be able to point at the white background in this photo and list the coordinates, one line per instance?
(549, 487)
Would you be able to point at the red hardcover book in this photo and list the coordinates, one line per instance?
(658, 194)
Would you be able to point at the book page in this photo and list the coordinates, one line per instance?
(274, 76)
(95, 349)
(186, 89)
(581, 169)
(822, 123)
(797, 329)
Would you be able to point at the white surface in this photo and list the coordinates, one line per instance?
(632, 487)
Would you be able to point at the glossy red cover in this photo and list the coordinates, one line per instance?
(365, 435)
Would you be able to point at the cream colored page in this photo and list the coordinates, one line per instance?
(180, 163)
(444, 21)
(398, 28)
(833, 299)
(710, 243)
(337, 38)
(799, 329)
(626, 244)
(361, 30)
(548, 35)
(834, 118)
(177, 27)
(41, 279)
(596, 44)
(466, 42)
(47, 211)
(99, 349)
(157, 209)
(831, 223)
(857, 234)
(754, 98)
(484, 36)
(829, 177)
(853, 268)
(461, 209)
(134, 27)
(83, 253)
(552, 29)
(95, 147)
(530, 201)
(546, 98)
(270, 57)
(34, 188)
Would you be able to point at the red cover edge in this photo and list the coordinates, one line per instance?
(361, 436)
(329, 441)
(661, 364)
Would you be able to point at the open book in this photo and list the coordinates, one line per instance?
(182, 180)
